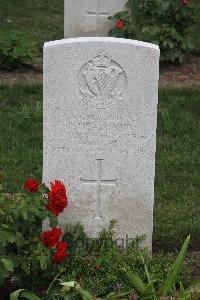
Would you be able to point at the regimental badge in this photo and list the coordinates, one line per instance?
(101, 82)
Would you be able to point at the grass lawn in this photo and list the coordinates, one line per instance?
(177, 207)
(41, 20)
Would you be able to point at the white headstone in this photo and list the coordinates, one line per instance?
(100, 112)
(90, 17)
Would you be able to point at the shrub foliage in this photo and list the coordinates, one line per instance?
(162, 22)
(21, 217)
(15, 50)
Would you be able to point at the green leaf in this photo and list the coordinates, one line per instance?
(3, 274)
(53, 220)
(43, 262)
(69, 284)
(164, 5)
(19, 239)
(52, 292)
(68, 297)
(25, 294)
(8, 234)
(117, 295)
(135, 279)
(8, 264)
(24, 214)
(121, 15)
(15, 295)
(175, 270)
(195, 282)
(73, 284)
(149, 289)
(184, 294)
(44, 189)
(146, 269)
(29, 295)
(26, 267)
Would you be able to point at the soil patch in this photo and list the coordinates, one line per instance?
(186, 75)
(20, 76)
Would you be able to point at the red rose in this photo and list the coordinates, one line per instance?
(31, 185)
(120, 24)
(51, 238)
(57, 198)
(62, 246)
(185, 2)
(61, 252)
(59, 257)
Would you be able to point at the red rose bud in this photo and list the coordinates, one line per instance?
(61, 252)
(57, 198)
(185, 2)
(51, 238)
(98, 267)
(31, 185)
(120, 24)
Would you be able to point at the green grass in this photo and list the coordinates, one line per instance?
(21, 134)
(41, 20)
(177, 188)
(177, 207)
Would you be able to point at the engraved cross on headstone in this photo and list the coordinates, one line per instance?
(98, 14)
(99, 182)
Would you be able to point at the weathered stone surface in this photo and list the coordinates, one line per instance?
(100, 112)
(90, 17)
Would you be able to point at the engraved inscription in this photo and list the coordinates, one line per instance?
(103, 131)
(101, 82)
(99, 182)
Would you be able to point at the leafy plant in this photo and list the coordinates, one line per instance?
(20, 229)
(15, 50)
(146, 287)
(66, 290)
(167, 287)
(23, 249)
(163, 22)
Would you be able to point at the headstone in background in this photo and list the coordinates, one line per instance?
(90, 17)
(100, 112)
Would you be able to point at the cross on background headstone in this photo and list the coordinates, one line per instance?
(98, 13)
(99, 182)
(90, 17)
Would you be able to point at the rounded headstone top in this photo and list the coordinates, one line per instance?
(101, 39)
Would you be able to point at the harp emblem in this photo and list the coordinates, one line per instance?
(101, 82)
